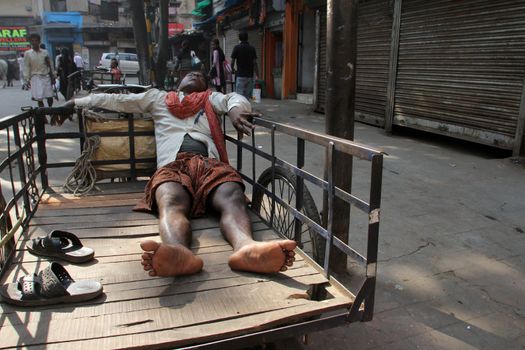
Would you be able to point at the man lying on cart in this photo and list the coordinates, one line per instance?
(193, 176)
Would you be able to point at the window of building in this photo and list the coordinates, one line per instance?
(58, 5)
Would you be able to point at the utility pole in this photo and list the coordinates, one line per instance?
(163, 44)
(141, 40)
(341, 60)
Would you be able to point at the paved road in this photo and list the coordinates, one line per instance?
(451, 260)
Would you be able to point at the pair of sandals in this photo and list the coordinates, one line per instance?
(53, 285)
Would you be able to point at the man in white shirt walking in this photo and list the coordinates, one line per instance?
(194, 176)
(38, 72)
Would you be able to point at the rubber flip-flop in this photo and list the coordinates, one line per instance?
(53, 285)
(62, 245)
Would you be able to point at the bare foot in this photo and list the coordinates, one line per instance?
(264, 257)
(169, 260)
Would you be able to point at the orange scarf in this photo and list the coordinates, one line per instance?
(191, 105)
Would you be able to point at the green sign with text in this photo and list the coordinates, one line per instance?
(14, 39)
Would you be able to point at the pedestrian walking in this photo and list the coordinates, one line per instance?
(20, 60)
(38, 71)
(217, 74)
(244, 63)
(79, 63)
(65, 67)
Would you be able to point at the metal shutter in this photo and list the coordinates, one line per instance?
(255, 38)
(321, 77)
(231, 38)
(373, 54)
(460, 69)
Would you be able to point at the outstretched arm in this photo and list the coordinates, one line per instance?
(242, 120)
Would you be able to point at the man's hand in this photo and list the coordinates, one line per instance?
(59, 119)
(242, 121)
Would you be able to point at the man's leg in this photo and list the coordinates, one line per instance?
(235, 224)
(172, 257)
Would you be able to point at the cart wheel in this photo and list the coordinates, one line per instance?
(283, 221)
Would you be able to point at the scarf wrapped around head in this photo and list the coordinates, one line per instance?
(191, 105)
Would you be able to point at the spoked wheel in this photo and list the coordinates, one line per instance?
(283, 220)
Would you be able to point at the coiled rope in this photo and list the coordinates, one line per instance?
(82, 178)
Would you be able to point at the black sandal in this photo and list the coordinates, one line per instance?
(62, 245)
(53, 285)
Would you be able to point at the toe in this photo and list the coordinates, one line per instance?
(147, 256)
(149, 245)
(288, 244)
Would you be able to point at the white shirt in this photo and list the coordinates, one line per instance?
(35, 63)
(79, 62)
(169, 130)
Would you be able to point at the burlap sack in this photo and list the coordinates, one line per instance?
(117, 148)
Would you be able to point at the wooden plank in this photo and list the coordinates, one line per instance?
(112, 269)
(78, 217)
(144, 295)
(112, 232)
(202, 242)
(203, 307)
(178, 337)
(139, 310)
(108, 188)
(55, 198)
(88, 204)
(85, 211)
(96, 218)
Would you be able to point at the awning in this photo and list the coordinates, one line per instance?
(211, 20)
(201, 5)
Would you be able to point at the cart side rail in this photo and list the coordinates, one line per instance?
(22, 178)
(364, 303)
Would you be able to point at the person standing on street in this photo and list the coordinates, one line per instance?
(38, 71)
(244, 62)
(65, 67)
(79, 63)
(20, 60)
(216, 74)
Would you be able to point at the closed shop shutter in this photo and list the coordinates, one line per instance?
(321, 76)
(231, 37)
(255, 38)
(373, 55)
(460, 68)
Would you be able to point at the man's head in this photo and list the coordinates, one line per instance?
(215, 44)
(243, 36)
(113, 63)
(193, 82)
(34, 39)
(185, 44)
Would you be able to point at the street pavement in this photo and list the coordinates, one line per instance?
(451, 271)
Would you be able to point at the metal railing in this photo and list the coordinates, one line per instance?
(362, 309)
(23, 179)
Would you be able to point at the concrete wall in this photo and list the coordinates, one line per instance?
(19, 8)
(77, 5)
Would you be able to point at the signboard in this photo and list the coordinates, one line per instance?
(175, 28)
(14, 38)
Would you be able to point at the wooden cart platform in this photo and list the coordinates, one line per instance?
(137, 310)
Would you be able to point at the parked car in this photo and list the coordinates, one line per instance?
(128, 62)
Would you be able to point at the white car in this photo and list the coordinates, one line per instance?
(127, 62)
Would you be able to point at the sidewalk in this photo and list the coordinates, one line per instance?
(451, 269)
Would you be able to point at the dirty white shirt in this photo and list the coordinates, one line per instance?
(35, 63)
(169, 130)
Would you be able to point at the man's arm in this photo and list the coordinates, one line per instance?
(126, 103)
(27, 68)
(238, 108)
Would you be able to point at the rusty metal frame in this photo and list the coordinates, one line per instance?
(363, 306)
